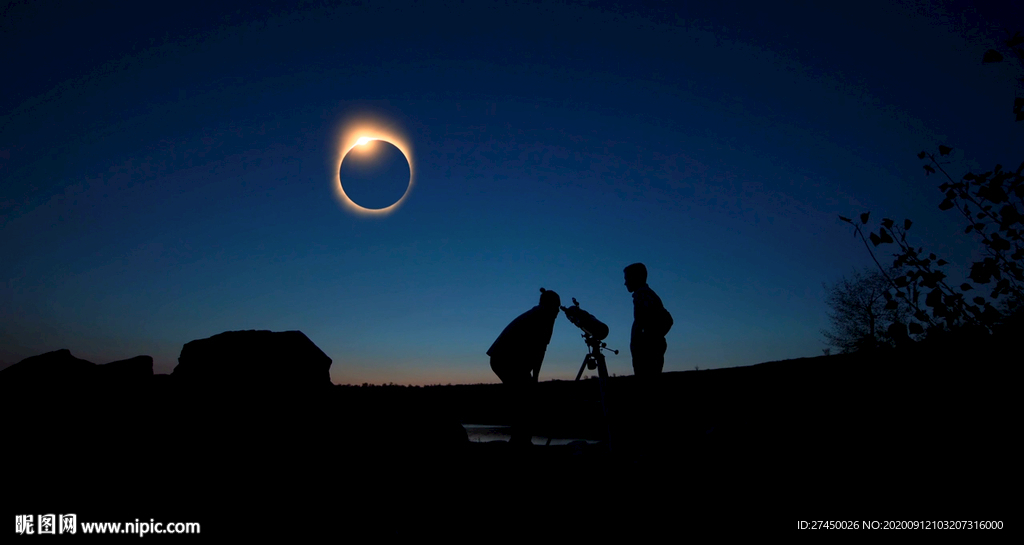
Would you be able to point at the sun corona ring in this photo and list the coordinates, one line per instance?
(359, 133)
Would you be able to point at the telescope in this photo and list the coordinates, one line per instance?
(584, 320)
(594, 331)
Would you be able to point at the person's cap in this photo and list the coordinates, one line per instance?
(549, 298)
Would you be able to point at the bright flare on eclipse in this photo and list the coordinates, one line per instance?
(359, 134)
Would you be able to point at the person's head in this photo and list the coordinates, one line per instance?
(636, 276)
(550, 299)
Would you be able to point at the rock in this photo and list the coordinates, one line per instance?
(59, 369)
(137, 369)
(49, 371)
(284, 362)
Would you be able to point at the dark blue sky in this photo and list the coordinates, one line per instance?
(168, 174)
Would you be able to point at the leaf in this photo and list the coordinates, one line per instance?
(941, 262)
(991, 315)
(930, 280)
(944, 150)
(1020, 116)
(1018, 104)
(979, 300)
(886, 239)
(946, 205)
(847, 220)
(1016, 270)
(928, 170)
(864, 217)
(921, 315)
(907, 224)
(887, 223)
(965, 286)
(921, 155)
(892, 305)
(931, 256)
(982, 271)
(999, 243)
(874, 239)
(968, 229)
(991, 56)
(915, 328)
(1010, 215)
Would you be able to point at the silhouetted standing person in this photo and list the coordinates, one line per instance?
(517, 354)
(651, 323)
(647, 345)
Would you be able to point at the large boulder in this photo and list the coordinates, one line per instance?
(285, 362)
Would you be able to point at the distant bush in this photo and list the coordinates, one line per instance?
(859, 313)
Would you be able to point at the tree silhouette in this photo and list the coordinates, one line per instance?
(860, 313)
(992, 205)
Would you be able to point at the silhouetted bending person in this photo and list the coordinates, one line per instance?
(651, 323)
(516, 357)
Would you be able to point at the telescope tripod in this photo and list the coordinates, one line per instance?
(595, 360)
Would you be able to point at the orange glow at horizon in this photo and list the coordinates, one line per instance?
(359, 133)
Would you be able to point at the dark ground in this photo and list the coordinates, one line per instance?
(922, 434)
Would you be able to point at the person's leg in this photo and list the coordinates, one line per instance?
(647, 406)
(501, 368)
(658, 348)
(522, 427)
(640, 364)
(517, 387)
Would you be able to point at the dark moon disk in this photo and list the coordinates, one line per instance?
(375, 175)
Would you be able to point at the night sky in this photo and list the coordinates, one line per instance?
(167, 174)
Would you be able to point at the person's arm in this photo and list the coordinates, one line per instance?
(644, 307)
(638, 322)
(636, 331)
(545, 328)
(537, 358)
